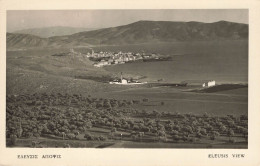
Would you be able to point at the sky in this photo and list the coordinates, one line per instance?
(25, 19)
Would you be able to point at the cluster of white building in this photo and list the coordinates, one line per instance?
(124, 81)
(109, 58)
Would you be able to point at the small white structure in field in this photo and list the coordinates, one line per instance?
(209, 83)
(123, 81)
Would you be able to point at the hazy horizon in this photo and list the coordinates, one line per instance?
(28, 19)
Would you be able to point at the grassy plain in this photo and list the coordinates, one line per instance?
(176, 100)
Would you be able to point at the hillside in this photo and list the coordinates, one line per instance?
(52, 31)
(138, 32)
(15, 40)
(147, 31)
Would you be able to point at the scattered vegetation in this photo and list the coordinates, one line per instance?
(77, 117)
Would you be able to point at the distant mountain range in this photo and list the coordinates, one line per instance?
(52, 31)
(138, 32)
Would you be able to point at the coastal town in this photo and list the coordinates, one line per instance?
(103, 58)
(112, 58)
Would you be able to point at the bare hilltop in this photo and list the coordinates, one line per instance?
(135, 33)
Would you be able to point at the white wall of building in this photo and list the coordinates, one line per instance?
(124, 81)
(209, 84)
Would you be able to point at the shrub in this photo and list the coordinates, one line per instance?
(245, 133)
(162, 138)
(175, 132)
(185, 138)
(214, 135)
(192, 139)
(130, 103)
(88, 136)
(136, 101)
(230, 133)
(96, 138)
(176, 137)
(113, 129)
(37, 135)
(162, 133)
(187, 129)
(145, 100)
(66, 145)
(13, 139)
(223, 128)
(70, 135)
(135, 127)
(177, 127)
(102, 138)
(28, 135)
(198, 134)
(231, 140)
(203, 132)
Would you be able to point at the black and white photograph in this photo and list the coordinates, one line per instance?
(127, 82)
(127, 78)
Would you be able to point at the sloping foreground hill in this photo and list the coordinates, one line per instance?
(14, 40)
(138, 32)
(221, 88)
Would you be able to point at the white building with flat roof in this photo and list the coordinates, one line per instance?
(209, 83)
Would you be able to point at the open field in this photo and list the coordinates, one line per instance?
(175, 99)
